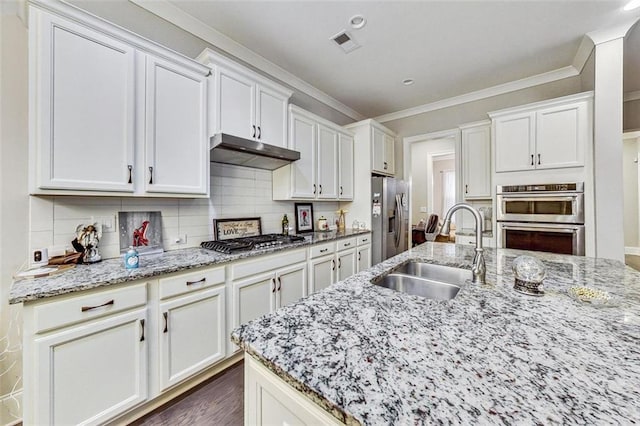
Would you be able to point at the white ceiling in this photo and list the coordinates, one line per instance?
(449, 48)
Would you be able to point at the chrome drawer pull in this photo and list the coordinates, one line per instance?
(88, 308)
(196, 282)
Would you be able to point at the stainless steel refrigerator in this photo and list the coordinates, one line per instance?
(389, 218)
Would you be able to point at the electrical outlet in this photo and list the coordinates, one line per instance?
(423, 209)
(181, 239)
(107, 222)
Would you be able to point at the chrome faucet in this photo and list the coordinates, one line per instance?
(478, 268)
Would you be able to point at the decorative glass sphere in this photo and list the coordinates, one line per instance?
(529, 274)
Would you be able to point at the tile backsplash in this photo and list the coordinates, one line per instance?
(235, 192)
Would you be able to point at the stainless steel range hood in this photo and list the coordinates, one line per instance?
(229, 149)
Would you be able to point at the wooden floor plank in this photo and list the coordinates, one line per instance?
(219, 401)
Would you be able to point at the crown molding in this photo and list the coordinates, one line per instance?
(583, 53)
(171, 13)
(547, 77)
(632, 96)
(613, 33)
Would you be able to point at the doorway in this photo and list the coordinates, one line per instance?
(433, 173)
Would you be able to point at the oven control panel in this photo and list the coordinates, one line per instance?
(547, 187)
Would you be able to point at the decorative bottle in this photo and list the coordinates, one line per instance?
(131, 258)
(285, 225)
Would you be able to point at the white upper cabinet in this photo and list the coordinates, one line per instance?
(345, 166)
(546, 135)
(325, 168)
(84, 131)
(382, 152)
(176, 154)
(246, 104)
(327, 164)
(236, 104)
(476, 160)
(107, 114)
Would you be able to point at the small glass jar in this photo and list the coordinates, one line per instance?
(529, 275)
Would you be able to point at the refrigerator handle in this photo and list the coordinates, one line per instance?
(398, 214)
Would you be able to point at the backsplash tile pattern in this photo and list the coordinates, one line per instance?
(235, 192)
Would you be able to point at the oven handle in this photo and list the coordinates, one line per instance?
(561, 229)
(534, 198)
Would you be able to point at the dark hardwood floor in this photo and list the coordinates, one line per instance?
(218, 401)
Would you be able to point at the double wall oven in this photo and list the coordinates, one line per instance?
(548, 217)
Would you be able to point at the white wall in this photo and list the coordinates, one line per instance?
(14, 225)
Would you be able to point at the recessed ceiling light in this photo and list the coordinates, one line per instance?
(633, 4)
(407, 81)
(357, 22)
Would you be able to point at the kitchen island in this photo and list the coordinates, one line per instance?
(370, 355)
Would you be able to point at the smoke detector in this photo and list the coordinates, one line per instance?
(345, 41)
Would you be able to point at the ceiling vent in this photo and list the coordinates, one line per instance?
(345, 42)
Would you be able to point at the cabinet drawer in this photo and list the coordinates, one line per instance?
(184, 283)
(76, 308)
(322, 249)
(347, 243)
(268, 263)
(364, 239)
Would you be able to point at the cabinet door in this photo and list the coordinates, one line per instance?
(92, 372)
(302, 138)
(84, 105)
(236, 104)
(514, 137)
(377, 151)
(476, 160)
(292, 284)
(364, 258)
(388, 163)
(322, 272)
(346, 264)
(327, 163)
(176, 143)
(271, 117)
(561, 134)
(192, 335)
(345, 167)
(254, 297)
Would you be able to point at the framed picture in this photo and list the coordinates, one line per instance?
(142, 230)
(304, 217)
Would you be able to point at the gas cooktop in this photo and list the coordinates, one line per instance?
(250, 243)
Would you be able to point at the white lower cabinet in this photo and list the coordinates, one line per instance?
(321, 272)
(192, 335)
(93, 365)
(336, 261)
(364, 257)
(346, 264)
(271, 401)
(256, 292)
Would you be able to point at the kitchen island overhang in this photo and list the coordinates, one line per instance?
(371, 355)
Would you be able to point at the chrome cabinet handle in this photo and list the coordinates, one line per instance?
(165, 315)
(259, 132)
(130, 167)
(279, 283)
(532, 159)
(196, 282)
(88, 308)
(142, 330)
(254, 130)
(150, 175)
(538, 159)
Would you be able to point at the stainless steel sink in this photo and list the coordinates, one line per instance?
(439, 273)
(427, 280)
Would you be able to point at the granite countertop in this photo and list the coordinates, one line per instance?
(112, 271)
(370, 355)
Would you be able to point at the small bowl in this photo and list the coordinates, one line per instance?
(592, 296)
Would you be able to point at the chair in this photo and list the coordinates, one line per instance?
(431, 229)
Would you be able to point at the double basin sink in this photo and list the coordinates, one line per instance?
(437, 282)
